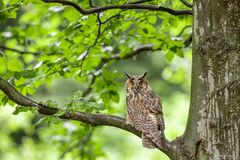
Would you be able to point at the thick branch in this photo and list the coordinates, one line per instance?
(92, 119)
(121, 6)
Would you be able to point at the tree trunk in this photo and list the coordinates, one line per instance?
(213, 129)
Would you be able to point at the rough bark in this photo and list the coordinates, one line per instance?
(214, 125)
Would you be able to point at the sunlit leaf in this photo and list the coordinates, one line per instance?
(20, 109)
(170, 55)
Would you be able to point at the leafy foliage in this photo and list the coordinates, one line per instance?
(42, 43)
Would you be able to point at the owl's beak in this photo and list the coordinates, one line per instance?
(136, 87)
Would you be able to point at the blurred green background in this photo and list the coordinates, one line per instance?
(49, 29)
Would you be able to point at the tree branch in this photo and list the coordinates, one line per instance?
(90, 3)
(18, 51)
(186, 3)
(85, 54)
(138, 50)
(183, 29)
(92, 119)
(188, 41)
(110, 18)
(121, 6)
(142, 1)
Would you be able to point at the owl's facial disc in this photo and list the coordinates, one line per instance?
(137, 84)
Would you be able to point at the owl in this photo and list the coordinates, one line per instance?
(144, 110)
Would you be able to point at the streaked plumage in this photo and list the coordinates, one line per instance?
(144, 110)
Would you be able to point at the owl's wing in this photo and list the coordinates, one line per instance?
(155, 106)
(154, 103)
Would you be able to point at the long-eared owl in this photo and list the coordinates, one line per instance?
(144, 110)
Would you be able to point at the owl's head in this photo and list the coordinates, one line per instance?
(136, 83)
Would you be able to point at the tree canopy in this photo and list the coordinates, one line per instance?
(69, 58)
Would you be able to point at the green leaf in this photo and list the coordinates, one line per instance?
(105, 97)
(20, 109)
(50, 103)
(55, 120)
(152, 19)
(1, 5)
(126, 25)
(25, 74)
(3, 63)
(145, 30)
(169, 55)
(70, 14)
(114, 96)
(28, 74)
(174, 49)
(180, 53)
(60, 113)
(4, 100)
(78, 94)
(14, 65)
(17, 75)
(44, 121)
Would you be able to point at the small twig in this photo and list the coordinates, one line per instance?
(18, 51)
(94, 43)
(99, 29)
(186, 3)
(110, 18)
(91, 4)
(184, 28)
(140, 49)
(88, 89)
(100, 23)
(121, 6)
(188, 41)
(138, 2)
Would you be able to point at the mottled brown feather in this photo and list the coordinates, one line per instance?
(144, 111)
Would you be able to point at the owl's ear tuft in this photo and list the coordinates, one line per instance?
(128, 75)
(143, 75)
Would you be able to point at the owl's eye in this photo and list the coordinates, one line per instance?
(132, 82)
(140, 82)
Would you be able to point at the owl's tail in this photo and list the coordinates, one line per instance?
(152, 140)
(147, 143)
